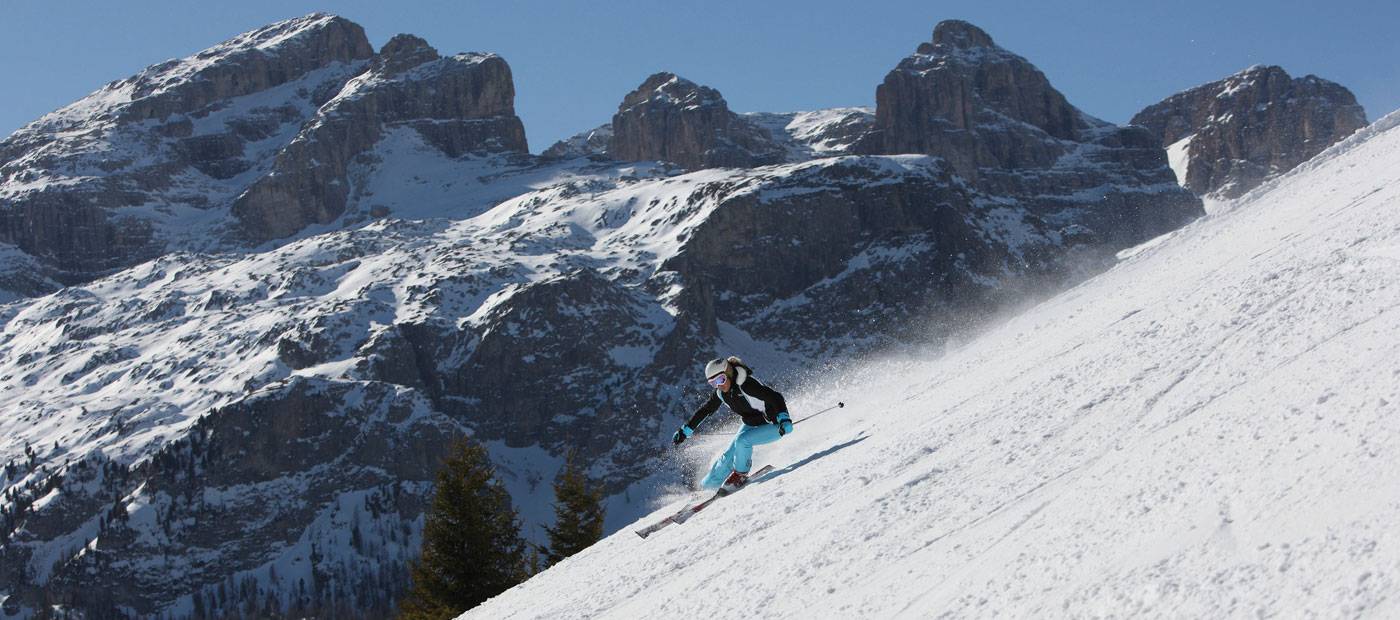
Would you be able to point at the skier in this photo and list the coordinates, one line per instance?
(765, 425)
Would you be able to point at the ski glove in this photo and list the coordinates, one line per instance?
(681, 433)
(784, 422)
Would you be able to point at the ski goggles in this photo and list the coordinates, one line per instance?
(719, 380)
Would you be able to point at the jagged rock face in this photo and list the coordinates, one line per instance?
(460, 104)
(157, 93)
(1251, 126)
(873, 251)
(231, 496)
(669, 118)
(591, 143)
(819, 133)
(1000, 126)
(89, 188)
(21, 276)
(798, 136)
(965, 99)
(267, 124)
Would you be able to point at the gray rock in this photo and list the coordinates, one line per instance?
(21, 276)
(266, 124)
(858, 254)
(86, 189)
(669, 118)
(965, 99)
(591, 143)
(242, 487)
(818, 133)
(796, 136)
(1251, 126)
(460, 104)
(261, 59)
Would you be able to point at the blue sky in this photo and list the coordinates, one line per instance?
(574, 60)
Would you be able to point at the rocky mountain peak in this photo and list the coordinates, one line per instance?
(459, 104)
(187, 133)
(960, 34)
(670, 89)
(669, 118)
(248, 63)
(245, 128)
(977, 105)
(403, 52)
(1230, 135)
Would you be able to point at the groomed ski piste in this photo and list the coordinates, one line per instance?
(1209, 429)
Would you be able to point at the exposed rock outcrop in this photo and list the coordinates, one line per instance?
(798, 136)
(874, 250)
(818, 133)
(234, 496)
(22, 276)
(86, 189)
(1001, 127)
(591, 143)
(1236, 133)
(460, 104)
(965, 99)
(672, 119)
(268, 123)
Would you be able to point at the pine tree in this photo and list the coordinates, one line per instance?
(578, 512)
(472, 549)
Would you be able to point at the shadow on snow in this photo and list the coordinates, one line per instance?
(819, 455)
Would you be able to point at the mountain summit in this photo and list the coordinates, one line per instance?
(156, 162)
(974, 103)
(670, 118)
(1230, 135)
(959, 34)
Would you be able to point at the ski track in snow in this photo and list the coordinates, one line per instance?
(1206, 430)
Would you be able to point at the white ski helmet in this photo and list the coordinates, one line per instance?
(714, 367)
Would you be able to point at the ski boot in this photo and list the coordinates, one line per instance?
(734, 482)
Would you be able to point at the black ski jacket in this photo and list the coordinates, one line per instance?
(745, 400)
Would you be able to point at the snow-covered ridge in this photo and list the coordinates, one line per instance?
(149, 164)
(802, 135)
(160, 79)
(370, 80)
(684, 93)
(593, 142)
(816, 133)
(1206, 430)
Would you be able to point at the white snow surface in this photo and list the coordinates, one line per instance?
(818, 133)
(1206, 430)
(160, 78)
(1178, 156)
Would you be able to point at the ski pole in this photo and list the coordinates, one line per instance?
(838, 405)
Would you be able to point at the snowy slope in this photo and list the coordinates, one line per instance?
(122, 381)
(1207, 430)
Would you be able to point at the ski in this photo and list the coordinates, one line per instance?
(689, 511)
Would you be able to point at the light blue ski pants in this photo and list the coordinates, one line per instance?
(739, 456)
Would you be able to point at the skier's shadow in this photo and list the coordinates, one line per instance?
(823, 454)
